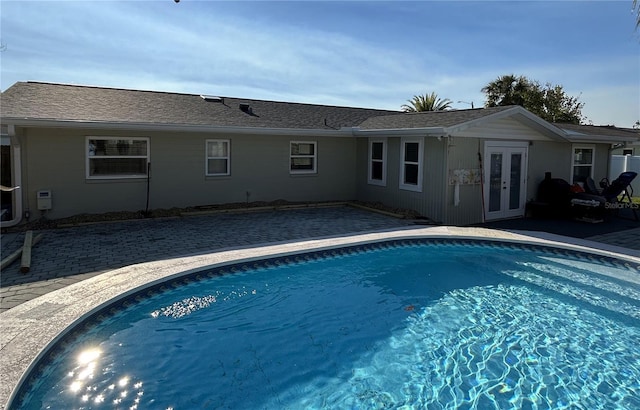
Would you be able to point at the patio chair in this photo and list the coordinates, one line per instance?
(620, 192)
(590, 187)
(615, 195)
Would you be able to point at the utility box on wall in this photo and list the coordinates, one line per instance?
(44, 200)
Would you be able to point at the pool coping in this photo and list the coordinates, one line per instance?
(29, 328)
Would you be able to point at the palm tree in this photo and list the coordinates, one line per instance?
(636, 8)
(427, 102)
(507, 90)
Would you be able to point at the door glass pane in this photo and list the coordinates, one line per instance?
(514, 188)
(495, 181)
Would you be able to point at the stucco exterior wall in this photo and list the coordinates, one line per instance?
(56, 160)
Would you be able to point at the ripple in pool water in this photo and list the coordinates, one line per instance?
(435, 327)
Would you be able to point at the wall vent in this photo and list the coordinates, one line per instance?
(245, 108)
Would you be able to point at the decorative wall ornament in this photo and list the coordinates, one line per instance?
(465, 176)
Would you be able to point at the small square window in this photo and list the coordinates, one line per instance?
(583, 163)
(218, 158)
(303, 157)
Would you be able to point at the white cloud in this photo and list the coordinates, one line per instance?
(199, 48)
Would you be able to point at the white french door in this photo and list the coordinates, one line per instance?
(505, 179)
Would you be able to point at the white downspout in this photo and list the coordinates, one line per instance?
(16, 163)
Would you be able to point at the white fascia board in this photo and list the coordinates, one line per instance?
(344, 132)
(601, 139)
(401, 132)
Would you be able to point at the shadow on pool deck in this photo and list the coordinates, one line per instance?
(619, 229)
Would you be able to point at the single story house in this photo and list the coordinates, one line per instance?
(82, 149)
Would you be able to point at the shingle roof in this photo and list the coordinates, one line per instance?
(428, 119)
(63, 102)
(47, 101)
(599, 130)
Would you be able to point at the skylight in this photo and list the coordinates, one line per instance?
(211, 98)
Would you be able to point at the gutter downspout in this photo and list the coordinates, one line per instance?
(16, 164)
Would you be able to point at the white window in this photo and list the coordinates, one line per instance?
(303, 157)
(583, 162)
(377, 162)
(218, 158)
(117, 157)
(411, 165)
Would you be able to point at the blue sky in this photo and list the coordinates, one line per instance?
(358, 53)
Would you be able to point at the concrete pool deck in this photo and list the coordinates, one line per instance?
(118, 258)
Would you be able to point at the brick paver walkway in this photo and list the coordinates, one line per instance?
(69, 255)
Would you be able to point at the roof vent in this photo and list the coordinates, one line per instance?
(245, 108)
(211, 98)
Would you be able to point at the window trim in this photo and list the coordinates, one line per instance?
(592, 147)
(402, 185)
(370, 160)
(314, 157)
(207, 158)
(110, 137)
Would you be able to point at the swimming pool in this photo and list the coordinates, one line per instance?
(423, 323)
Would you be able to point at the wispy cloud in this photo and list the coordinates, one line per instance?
(346, 53)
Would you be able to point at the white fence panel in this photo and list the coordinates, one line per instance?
(623, 163)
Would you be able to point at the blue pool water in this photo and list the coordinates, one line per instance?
(432, 325)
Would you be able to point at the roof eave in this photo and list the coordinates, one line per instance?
(401, 132)
(601, 139)
(156, 127)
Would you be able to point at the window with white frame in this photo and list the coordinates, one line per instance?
(411, 165)
(377, 162)
(117, 157)
(583, 163)
(303, 157)
(218, 158)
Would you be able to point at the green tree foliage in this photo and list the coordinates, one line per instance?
(427, 102)
(549, 101)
